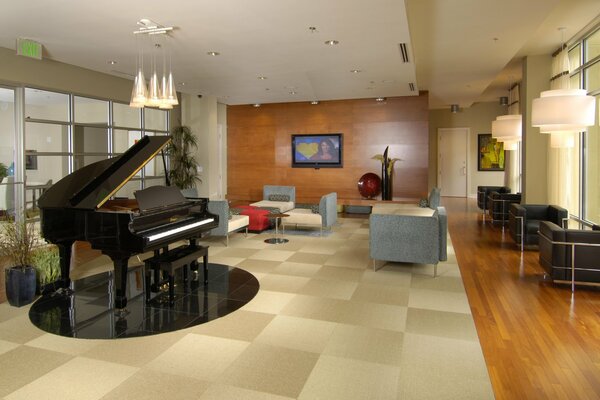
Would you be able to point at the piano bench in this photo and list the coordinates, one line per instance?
(171, 261)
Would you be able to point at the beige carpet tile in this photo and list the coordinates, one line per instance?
(441, 283)
(231, 261)
(372, 293)
(283, 283)
(335, 378)
(434, 368)
(240, 325)
(226, 392)
(328, 288)
(393, 278)
(297, 269)
(269, 302)
(237, 252)
(198, 356)
(87, 380)
(19, 330)
(362, 231)
(7, 346)
(272, 255)
(322, 246)
(339, 273)
(135, 352)
(271, 369)
(441, 323)
(350, 258)
(425, 270)
(359, 244)
(262, 266)
(149, 385)
(25, 364)
(248, 243)
(341, 235)
(8, 312)
(309, 258)
(438, 300)
(295, 242)
(359, 236)
(63, 344)
(297, 333)
(324, 309)
(367, 344)
(372, 315)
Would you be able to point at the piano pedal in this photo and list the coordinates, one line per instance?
(121, 312)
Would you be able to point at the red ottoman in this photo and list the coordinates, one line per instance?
(258, 218)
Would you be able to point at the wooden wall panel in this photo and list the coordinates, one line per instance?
(259, 146)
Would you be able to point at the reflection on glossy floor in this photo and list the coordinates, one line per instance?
(88, 312)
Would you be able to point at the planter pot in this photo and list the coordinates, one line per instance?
(20, 285)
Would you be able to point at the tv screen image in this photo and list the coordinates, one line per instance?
(318, 150)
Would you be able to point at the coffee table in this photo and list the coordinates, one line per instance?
(276, 239)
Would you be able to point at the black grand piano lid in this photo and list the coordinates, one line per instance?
(91, 186)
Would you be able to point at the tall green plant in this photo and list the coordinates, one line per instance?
(184, 167)
(3, 171)
(46, 261)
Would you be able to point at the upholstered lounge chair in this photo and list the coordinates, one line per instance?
(325, 218)
(281, 197)
(499, 205)
(524, 221)
(227, 223)
(484, 191)
(570, 255)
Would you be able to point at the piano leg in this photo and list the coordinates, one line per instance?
(64, 252)
(120, 282)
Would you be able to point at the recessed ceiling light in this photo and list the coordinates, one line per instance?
(355, 71)
(332, 42)
(380, 99)
(256, 105)
(312, 29)
(293, 92)
(314, 102)
(112, 62)
(213, 53)
(267, 89)
(262, 78)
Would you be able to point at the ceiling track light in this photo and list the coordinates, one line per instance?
(454, 108)
(331, 42)
(503, 101)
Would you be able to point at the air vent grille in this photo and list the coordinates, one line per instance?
(411, 86)
(404, 52)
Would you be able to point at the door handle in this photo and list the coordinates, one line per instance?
(464, 170)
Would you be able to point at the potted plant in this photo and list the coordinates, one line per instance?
(184, 167)
(3, 171)
(46, 261)
(17, 241)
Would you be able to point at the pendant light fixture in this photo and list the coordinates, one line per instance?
(160, 92)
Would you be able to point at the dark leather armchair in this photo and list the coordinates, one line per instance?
(499, 205)
(525, 219)
(484, 191)
(570, 255)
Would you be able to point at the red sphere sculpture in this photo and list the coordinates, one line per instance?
(369, 185)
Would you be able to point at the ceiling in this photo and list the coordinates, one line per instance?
(461, 51)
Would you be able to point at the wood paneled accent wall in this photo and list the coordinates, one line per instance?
(259, 146)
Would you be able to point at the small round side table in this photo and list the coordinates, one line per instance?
(276, 239)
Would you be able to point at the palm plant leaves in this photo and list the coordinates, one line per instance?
(184, 167)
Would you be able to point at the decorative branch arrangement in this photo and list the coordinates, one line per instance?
(387, 172)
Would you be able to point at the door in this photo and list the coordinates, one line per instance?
(452, 161)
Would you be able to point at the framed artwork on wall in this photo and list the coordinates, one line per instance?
(30, 159)
(490, 155)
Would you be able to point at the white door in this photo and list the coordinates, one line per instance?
(452, 161)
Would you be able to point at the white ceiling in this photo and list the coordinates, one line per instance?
(451, 43)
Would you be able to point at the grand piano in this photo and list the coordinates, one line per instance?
(81, 207)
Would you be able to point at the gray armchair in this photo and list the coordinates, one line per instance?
(409, 238)
(227, 223)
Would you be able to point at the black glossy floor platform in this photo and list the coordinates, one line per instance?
(88, 313)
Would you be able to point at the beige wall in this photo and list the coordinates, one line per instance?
(53, 75)
(478, 118)
(536, 78)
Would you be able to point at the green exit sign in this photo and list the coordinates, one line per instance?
(29, 48)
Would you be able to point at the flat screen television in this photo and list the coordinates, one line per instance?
(317, 151)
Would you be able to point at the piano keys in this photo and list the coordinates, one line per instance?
(79, 207)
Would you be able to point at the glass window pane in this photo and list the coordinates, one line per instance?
(40, 104)
(574, 82)
(154, 182)
(155, 167)
(592, 77)
(46, 137)
(592, 168)
(7, 198)
(129, 188)
(155, 119)
(90, 111)
(125, 116)
(123, 140)
(575, 57)
(7, 128)
(592, 46)
(89, 140)
(46, 168)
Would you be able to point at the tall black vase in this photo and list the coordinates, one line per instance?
(384, 183)
(390, 191)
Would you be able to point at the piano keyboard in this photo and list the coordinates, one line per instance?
(179, 229)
